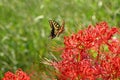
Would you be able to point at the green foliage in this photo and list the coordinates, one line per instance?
(24, 27)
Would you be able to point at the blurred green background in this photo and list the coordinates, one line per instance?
(24, 28)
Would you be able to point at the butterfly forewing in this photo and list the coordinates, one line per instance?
(54, 24)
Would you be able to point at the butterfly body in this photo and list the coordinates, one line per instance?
(56, 28)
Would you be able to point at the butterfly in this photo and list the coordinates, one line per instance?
(56, 28)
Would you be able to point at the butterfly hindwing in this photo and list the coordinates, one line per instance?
(61, 29)
(56, 29)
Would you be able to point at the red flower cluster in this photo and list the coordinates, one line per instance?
(19, 75)
(93, 53)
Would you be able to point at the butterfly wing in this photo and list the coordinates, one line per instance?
(55, 28)
(52, 35)
(61, 28)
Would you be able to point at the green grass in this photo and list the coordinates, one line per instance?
(24, 27)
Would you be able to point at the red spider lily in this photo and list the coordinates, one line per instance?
(78, 58)
(19, 75)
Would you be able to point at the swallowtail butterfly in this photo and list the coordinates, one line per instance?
(56, 28)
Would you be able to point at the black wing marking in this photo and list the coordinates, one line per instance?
(52, 35)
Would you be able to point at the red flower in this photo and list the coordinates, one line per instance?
(79, 63)
(9, 76)
(19, 75)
